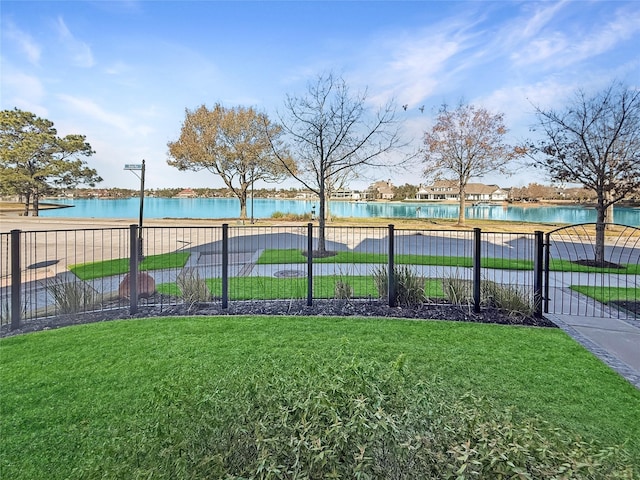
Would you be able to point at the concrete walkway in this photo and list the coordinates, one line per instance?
(614, 341)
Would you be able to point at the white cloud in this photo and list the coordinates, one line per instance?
(80, 52)
(128, 126)
(25, 42)
(552, 47)
(23, 91)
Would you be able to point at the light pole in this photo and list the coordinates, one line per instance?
(135, 167)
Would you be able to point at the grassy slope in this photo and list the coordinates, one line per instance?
(69, 395)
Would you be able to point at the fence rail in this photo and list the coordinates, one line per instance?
(45, 274)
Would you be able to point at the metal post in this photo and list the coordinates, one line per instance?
(547, 261)
(140, 247)
(133, 269)
(309, 264)
(392, 271)
(538, 270)
(133, 167)
(16, 280)
(477, 278)
(225, 265)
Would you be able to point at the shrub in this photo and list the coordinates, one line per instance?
(71, 297)
(343, 290)
(193, 289)
(409, 286)
(457, 290)
(510, 298)
(293, 217)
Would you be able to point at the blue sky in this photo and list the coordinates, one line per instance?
(122, 73)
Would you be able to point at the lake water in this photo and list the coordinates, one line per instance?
(263, 208)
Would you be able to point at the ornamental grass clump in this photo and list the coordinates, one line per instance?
(343, 290)
(193, 289)
(71, 297)
(510, 298)
(409, 287)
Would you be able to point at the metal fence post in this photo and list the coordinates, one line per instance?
(16, 280)
(538, 271)
(477, 264)
(392, 271)
(133, 269)
(225, 265)
(309, 264)
(547, 261)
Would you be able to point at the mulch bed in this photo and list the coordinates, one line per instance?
(326, 308)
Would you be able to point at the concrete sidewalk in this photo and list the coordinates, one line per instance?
(614, 341)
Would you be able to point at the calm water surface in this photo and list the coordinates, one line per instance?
(264, 208)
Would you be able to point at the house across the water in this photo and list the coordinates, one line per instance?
(447, 190)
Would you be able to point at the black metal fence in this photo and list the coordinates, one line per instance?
(45, 274)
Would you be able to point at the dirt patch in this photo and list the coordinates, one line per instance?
(629, 306)
(603, 264)
(324, 308)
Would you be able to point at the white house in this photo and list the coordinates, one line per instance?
(474, 192)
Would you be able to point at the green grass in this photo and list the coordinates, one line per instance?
(608, 294)
(118, 266)
(139, 398)
(293, 256)
(270, 288)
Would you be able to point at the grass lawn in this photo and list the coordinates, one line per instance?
(271, 288)
(117, 266)
(293, 256)
(608, 294)
(144, 398)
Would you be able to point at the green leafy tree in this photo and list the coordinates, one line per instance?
(231, 143)
(594, 141)
(34, 159)
(465, 143)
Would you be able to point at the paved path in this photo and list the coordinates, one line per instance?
(614, 341)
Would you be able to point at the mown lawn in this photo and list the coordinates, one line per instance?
(296, 256)
(140, 398)
(118, 266)
(608, 294)
(271, 288)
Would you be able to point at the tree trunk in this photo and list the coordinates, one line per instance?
(609, 213)
(600, 228)
(27, 200)
(243, 206)
(463, 203)
(322, 247)
(36, 205)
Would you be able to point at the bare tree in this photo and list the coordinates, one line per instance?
(331, 135)
(464, 143)
(229, 142)
(594, 141)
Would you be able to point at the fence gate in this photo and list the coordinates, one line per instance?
(576, 284)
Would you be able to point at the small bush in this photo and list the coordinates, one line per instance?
(292, 217)
(458, 290)
(72, 297)
(193, 289)
(343, 291)
(409, 286)
(510, 298)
